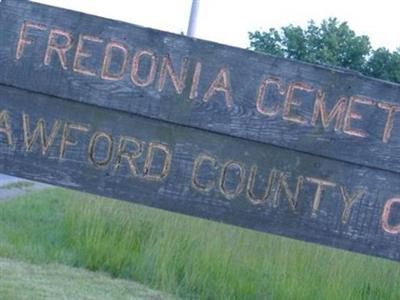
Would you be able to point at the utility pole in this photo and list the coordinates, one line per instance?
(193, 18)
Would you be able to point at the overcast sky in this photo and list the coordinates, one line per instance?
(228, 21)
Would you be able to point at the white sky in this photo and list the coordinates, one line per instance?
(228, 21)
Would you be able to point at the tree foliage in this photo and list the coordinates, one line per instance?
(332, 43)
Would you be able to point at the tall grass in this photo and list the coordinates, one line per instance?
(189, 257)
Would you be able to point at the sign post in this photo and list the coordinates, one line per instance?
(193, 18)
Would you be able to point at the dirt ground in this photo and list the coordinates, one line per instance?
(12, 186)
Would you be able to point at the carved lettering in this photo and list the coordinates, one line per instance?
(290, 101)
(195, 82)
(40, 130)
(81, 54)
(250, 186)
(105, 70)
(222, 83)
(66, 138)
(23, 40)
(391, 110)
(149, 161)
(224, 173)
(113, 65)
(97, 136)
(261, 108)
(200, 160)
(136, 79)
(284, 186)
(351, 114)
(53, 46)
(168, 69)
(349, 202)
(386, 215)
(5, 127)
(321, 185)
(337, 111)
(129, 155)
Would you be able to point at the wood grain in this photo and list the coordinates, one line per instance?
(209, 175)
(221, 96)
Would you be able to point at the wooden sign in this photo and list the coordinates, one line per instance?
(203, 129)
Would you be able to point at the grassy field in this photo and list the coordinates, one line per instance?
(23, 281)
(184, 256)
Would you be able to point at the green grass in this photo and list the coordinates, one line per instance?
(19, 280)
(185, 256)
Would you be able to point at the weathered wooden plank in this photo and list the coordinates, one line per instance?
(309, 108)
(199, 173)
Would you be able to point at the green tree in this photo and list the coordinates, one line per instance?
(384, 64)
(332, 43)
